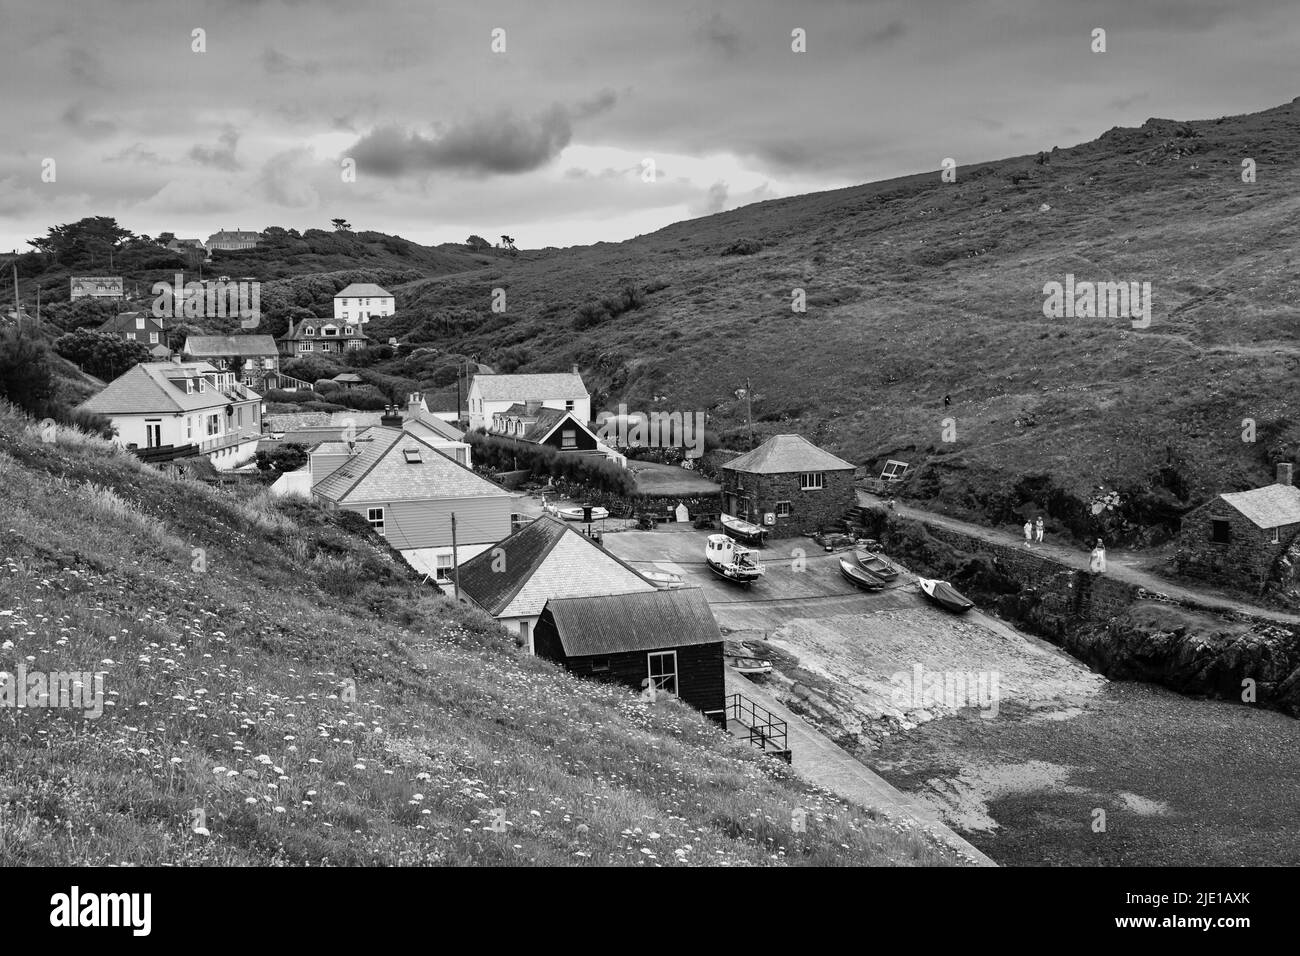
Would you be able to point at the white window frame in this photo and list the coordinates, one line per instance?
(812, 481)
(213, 425)
(783, 509)
(657, 678)
(375, 518)
(442, 573)
(152, 427)
(569, 438)
(1277, 536)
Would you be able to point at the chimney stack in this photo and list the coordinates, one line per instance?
(575, 368)
(1284, 472)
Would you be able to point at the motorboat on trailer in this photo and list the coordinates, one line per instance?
(731, 560)
(877, 564)
(860, 576)
(945, 595)
(743, 530)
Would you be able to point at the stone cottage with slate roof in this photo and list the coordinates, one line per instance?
(1238, 537)
(490, 394)
(667, 639)
(542, 560)
(800, 486)
(408, 490)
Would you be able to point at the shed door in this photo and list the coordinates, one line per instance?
(663, 671)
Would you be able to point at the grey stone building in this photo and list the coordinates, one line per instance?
(802, 487)
(1236, 538)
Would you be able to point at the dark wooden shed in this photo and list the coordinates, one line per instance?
(665, 637)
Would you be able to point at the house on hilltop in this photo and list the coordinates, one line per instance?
(322, 335)
(789, 485)
(665, 639)
(362, 300)
(545, 559)
(173, 404)
(232, 241)
(490, 394)
(1237, 537)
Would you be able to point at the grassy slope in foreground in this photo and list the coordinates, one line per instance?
(224, 689)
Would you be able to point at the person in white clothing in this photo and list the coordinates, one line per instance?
(1038, 530)
(1097, 562)
(1029, 532)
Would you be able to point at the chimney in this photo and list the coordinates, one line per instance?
(575, 368)
(415, 404)
(1284, 472)
(392, 416)
(532, 407)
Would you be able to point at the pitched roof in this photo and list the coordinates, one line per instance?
(363, 289)
(1269, 507)
(150, 387)
(296, 331)
(125, 322)
(379, 471)
(220, 346)
(543, 560)
(515, 388)
(542, 422)
(347, 377)
(429, 422)
(646, 621)
(782, 454)
(293, 421)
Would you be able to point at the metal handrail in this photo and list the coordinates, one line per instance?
(764, 726)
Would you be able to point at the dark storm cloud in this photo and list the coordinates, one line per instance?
(500, 143)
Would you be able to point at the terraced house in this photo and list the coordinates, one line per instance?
(177, 404)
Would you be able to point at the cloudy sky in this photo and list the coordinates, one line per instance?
(547, 141)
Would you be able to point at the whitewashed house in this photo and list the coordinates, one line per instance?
(361, 300)
(162, 404)
(490, 395)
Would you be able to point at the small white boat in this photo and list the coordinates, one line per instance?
(744, 530)
(751, 665)
(731, 560)
(664, 580)
(575, 514)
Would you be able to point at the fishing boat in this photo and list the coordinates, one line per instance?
(877, 564)
(862, 578)
(732, 561)
(744, 530)
(576, 514)
(751, 665)
(663, 580)
(945, 595)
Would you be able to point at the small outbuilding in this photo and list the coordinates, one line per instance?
(1238, 537)
(667, 639)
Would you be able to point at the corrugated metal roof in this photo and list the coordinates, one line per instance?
(646, 621)
(782, 454)
(220, 346)
(1269, 507)
(523, 388)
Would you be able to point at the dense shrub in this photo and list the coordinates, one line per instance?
(27, 380)
(503, 455)
(743, 247)
(100, 353)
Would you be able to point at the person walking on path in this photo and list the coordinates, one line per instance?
(1097, 561)
(1029, 532)
(947, 400)
(1038, 529)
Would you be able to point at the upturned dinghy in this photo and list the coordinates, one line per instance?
(731, 560)
(575, 514)
(863, 579)
(663, 580)
(945, 595)
(743, 530)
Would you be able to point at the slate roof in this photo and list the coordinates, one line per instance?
(379, 471)
(522, 388)
(427, 421)
(363, 290)
(149, 387)
(1269, 507)
(295, 421)
(222, 346)
(615, 623)
(782, 454)
(296, 332)
(544, 421)
(125, 322)
(543, 560)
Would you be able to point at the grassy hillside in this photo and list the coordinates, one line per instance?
(917, 289)
(282, 671)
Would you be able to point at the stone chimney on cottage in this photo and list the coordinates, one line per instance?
(532, 407)
(415, 404)
(575, 368)
(1284, 472)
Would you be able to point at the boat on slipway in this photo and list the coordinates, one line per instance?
(743, 530)
(732, 561)
(945, 595)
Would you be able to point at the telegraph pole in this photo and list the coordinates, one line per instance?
(749, 410)
(18, 306)
(455, 563)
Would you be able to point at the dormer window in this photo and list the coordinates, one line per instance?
(347, 330)
(202, 385)
(189, 386)
(309, 331)
(139, 323)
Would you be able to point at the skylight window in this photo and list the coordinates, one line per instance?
(412, 456)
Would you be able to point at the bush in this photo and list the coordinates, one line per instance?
(100, 353)
(288, 457)
(743, 247)
(502, 454)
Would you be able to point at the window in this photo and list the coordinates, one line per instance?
(152, 432)
(783, 509)
(810, 481)
(375, 517)
(568, 405)
(569, 438)
(412, 456)
(1276, 538)
(189, 386)
(1220, 531)
(600, 665)
(203, 384)
(139, 324)
(130, 336)
(524, 640)
(663, 671)
(214, 425)
(153, 338)
(347, 329)
(189, 428)
(443, 568)
(309, 331)
(304, 346)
